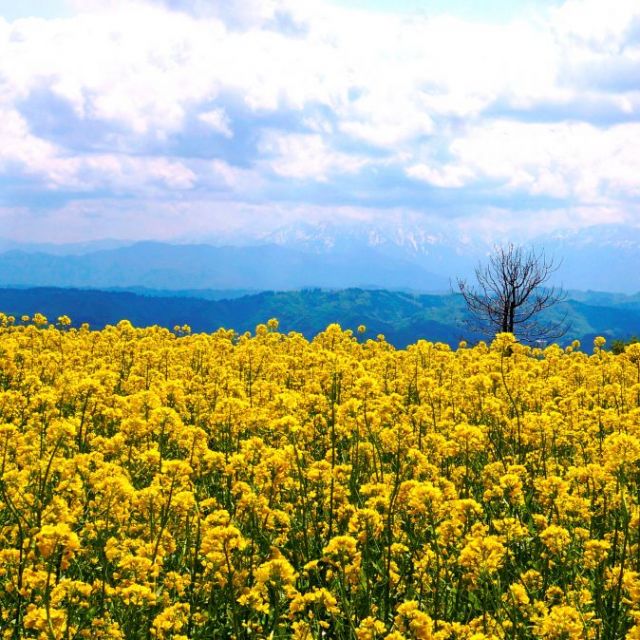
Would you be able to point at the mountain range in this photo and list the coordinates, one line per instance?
(164, 266)
(603, 257)
(396, 279)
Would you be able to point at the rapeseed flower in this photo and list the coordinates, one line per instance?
(225, 485)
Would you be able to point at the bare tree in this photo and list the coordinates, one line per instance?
(510, 296)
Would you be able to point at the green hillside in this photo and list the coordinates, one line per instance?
(402, 317)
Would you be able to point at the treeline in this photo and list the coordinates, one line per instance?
(402, 317)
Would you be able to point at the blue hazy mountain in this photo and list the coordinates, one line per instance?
(331, 255)
(601, 257)
(165, 266)
(61, 249)
(598, 258)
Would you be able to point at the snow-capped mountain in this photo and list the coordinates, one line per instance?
(385, 254)
(601, 257)
(433, 250)
(598, 258)
(328, 236)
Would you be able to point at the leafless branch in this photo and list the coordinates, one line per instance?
(510, 295)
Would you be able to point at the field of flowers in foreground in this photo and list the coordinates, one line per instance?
(162, 485)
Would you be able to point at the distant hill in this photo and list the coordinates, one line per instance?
(156, 265)
(391, 254)
(402, 317)
(604, 256)
(410, 257)
(205, 294)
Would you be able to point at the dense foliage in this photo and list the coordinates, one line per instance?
(158, 484)
(402, 317)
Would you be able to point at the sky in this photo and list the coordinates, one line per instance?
(227, 120)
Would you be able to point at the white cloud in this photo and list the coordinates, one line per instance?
(446, 176)
(120, 172)
(18, 145)
(137, 68)
(558, 160)
(307, 156)
(165, 218)
(143, 66)
(221, 174)
(386, 120)
(498, 224)
(218, 120)
(384, 77)
(603, 25)
(312, 88)
(20, 149)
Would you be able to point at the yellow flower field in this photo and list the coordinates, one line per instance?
(163, 485)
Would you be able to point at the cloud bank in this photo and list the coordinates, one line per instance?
(185, 113)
